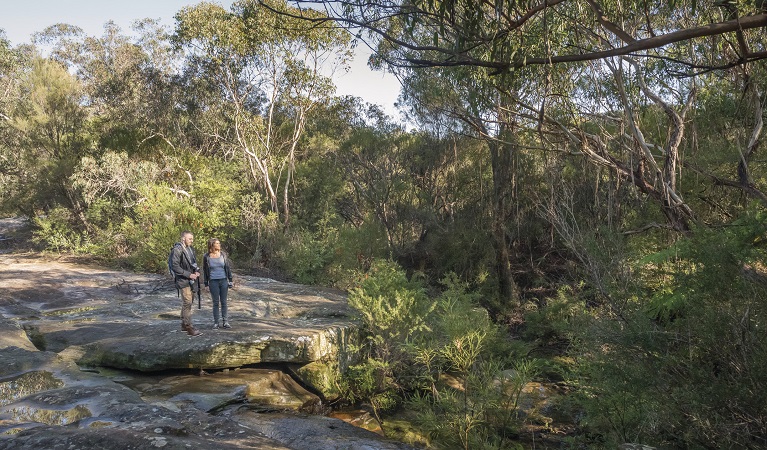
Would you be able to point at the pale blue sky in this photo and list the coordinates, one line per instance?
(20, 19)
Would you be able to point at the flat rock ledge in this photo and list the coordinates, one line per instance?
(95, 358)
(132, 321)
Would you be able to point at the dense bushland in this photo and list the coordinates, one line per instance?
(598, 225)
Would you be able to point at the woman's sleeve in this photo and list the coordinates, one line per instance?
(227, 267)
(206, 269)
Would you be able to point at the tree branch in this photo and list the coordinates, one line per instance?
(454, 57)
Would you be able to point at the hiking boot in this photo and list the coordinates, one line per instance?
(191, 331)
(215, 326)
(226, 325)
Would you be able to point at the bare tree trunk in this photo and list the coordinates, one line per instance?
(501, 161)
(298, 129)
(501, 155)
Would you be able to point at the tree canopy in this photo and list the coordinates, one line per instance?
(506, 35)
(575, 177)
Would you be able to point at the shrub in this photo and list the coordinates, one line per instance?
(444, 357)
(55, 231)
(684, 368)
(304, 257)
(392, 310)
(157, 225)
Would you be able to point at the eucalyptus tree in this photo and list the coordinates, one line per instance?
(457, 102)
(397, 180)
(729, 116)
(632, 43)
(131, 83)
(636, 117)
(269, 72)
(504, 36)
(12, 63)
(460, 101)
(127, 81)
(51, 126)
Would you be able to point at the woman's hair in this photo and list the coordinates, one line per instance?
(211, 242)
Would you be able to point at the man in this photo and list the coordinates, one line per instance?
(185, 272)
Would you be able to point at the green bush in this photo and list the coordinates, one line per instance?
(392, 310)
(304, 257)
(354, 251)
(478, 408)
(444, 357)
(556, 318)
(55, 231)
(371, 381)
(685, 367)
(157, 226)
(333, 256)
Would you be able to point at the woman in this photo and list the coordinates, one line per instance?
(218, 277)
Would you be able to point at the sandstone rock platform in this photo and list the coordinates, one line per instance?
(95, 358)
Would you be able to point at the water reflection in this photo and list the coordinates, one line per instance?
(48, 416)
(27, 384)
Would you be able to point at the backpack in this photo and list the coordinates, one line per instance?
(170, 263)
(170, 268)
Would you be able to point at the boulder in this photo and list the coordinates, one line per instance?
(259, 389)
(47, 402)
(312, 432)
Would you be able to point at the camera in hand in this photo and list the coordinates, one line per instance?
(195, 269)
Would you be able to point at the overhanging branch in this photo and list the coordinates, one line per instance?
(453, 57)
